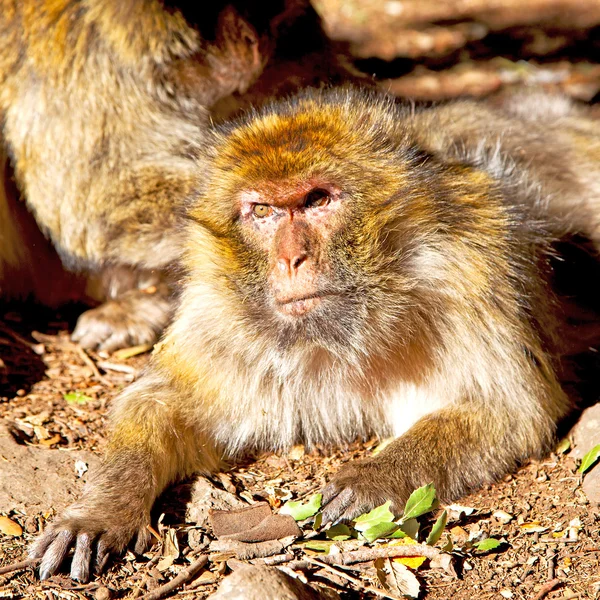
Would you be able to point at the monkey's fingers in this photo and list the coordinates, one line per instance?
(88, 332)
(52, 548)
(334, 503)
(346, 506)
(358, 488)
(80, 566)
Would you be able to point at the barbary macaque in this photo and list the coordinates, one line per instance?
(355, 268)
(103, 105)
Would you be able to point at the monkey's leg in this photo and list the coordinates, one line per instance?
(151, 446)
(131, 252)
(458, 449)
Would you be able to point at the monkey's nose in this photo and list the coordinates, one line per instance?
(292, 264)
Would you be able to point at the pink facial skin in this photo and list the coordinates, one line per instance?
(292, 223)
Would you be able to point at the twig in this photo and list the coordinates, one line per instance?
(551, 565)
(359, 556)
(356, 556)
(270, 561)
(30, 562)
(183, 577)
(546, 589)
(138, 590)
(585, 551)
(245, 551)
(356, 582)
(92, 365)
(36, 348)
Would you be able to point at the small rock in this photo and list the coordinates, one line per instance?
(502, 516)
(102, 593)
(10, 527)
(31, 525)
(586, 433)
(258, 583)
(591, 485)
(80, 468)
(196, 539)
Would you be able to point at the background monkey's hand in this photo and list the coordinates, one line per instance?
(100, 524)
(235, 60)
(137, 317)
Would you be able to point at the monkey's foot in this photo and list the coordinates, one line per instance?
(137, 317)
(358, 488)
(94, 538)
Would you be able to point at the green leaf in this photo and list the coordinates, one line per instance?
(380, 514)
(381, 530)
(318, 522)
(487, 544)
(589, 459)
(339, 533)
(317, 545)
(448, 545)
(421, 501)
(77, 398)
(438, 528)
(563, 446)
(398, 534)
(302, 510)
(410, 528)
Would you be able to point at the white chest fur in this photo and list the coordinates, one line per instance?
(327, 411)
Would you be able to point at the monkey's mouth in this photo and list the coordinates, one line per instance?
(301, 305)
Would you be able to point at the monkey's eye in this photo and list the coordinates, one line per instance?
(316, 198)
(262, 210)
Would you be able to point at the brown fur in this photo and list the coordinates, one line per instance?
(439, 326)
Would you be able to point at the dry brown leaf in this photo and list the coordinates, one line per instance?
(397, 578)
(126, 353)
(10, 527)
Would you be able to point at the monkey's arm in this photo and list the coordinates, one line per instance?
(458, 449)
(462, 446)
(150, 447)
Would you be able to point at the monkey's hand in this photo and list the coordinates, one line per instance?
(135, 317)
(97, 526)
(359, 487)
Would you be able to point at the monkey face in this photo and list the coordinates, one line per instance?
(294, 227)
(298, 202)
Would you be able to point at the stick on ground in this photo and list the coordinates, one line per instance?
(183, 577)
(546, 589)
(30, 562)
(356, 582)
